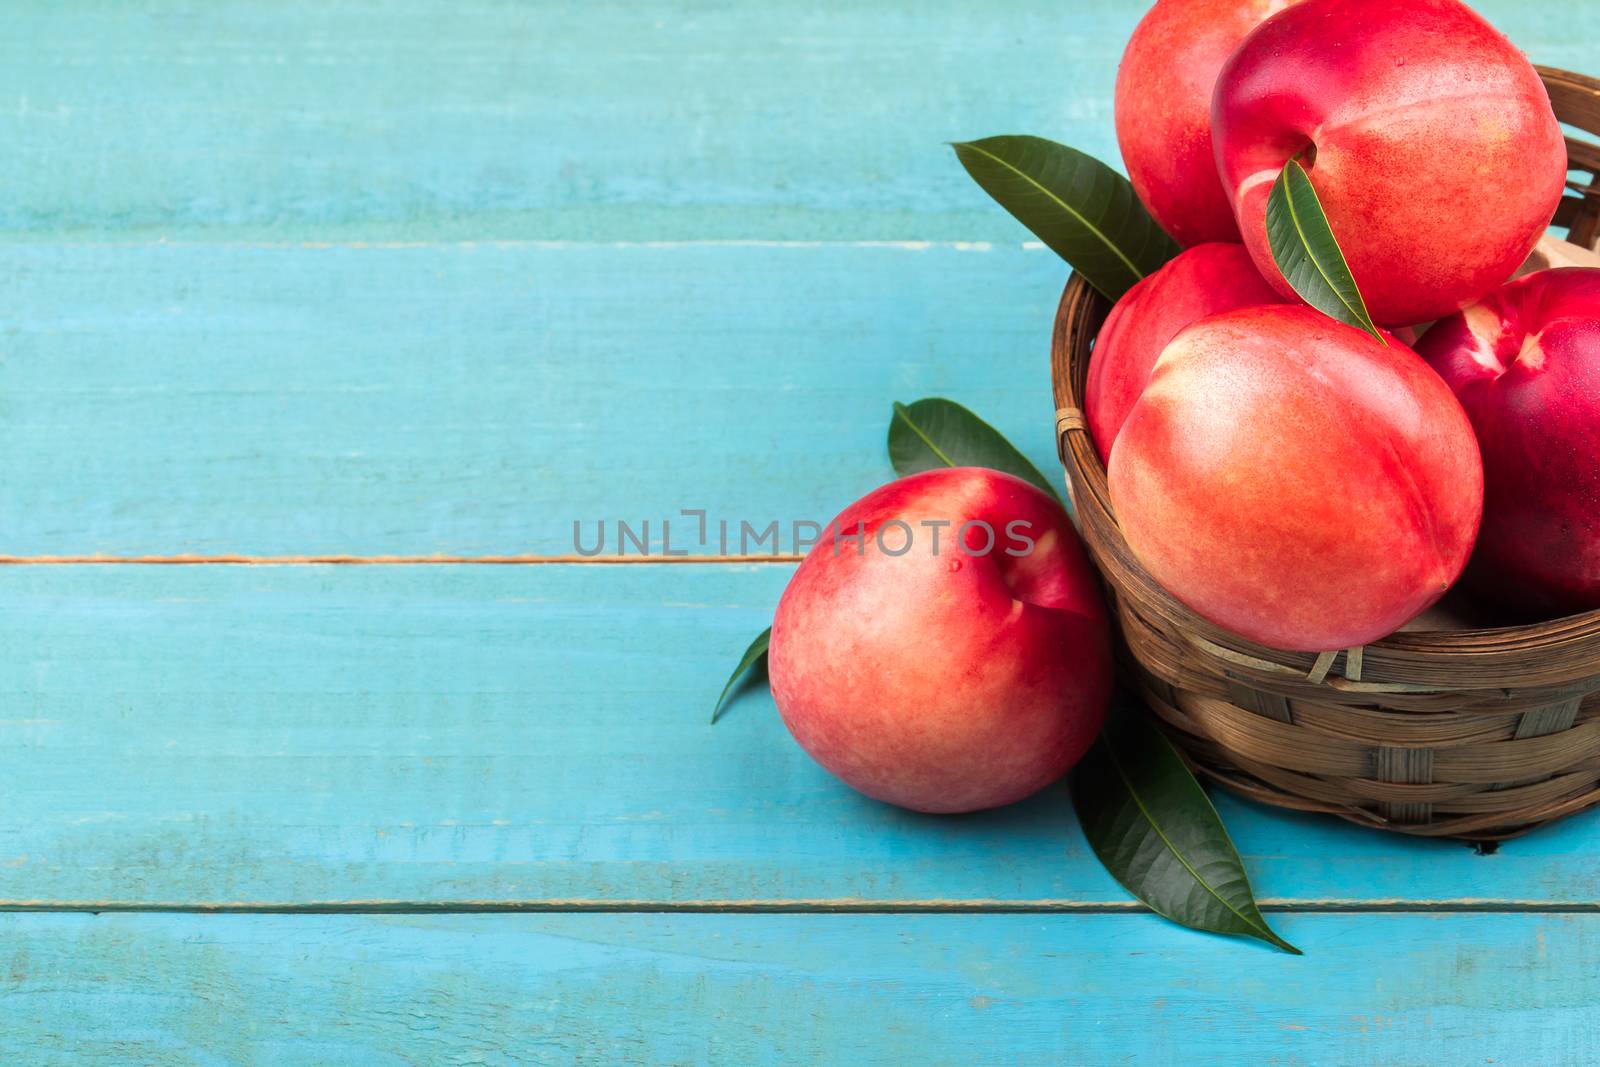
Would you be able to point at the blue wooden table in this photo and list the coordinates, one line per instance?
(308, 309)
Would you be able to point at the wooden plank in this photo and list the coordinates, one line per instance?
(479, 399)
(856, 989)
(272, 735)
(608, 121)
(594, 121)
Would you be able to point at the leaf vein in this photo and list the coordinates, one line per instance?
(1093, 229)
(1172, 848)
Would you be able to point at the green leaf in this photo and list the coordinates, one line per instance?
(1079, 207)
(935, 433)
(1158, 834)
(1308, 254)
(756, 653)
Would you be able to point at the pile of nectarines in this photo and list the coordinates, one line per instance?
(1300, 482)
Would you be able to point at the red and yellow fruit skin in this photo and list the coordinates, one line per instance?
(1296, 482)
(1436, 155)
(937, 680)
(1525, 364)
(1163, 111)
(1205, 280)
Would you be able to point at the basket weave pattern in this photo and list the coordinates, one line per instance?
(1476, 734)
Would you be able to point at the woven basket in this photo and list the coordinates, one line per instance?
(1479, 734)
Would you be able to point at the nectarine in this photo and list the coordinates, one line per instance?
(1428, 136)
(944, 647)
(1205, 280)
(1163, 111)
(1296, 482)
(1525, 364)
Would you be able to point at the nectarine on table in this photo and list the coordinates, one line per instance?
(945, 647)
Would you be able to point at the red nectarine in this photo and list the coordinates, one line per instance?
(1525, 364)
(1205, 280)
(1296, 482)
(944, 647)
(1428, 136)
(1163, 111)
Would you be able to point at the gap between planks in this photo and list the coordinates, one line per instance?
(237, 560)
(1466, 906)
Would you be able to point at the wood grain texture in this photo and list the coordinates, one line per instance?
(368, 279)
(283, 735)
(472, 399)
(859, 990)
(594, 121)
(611, 120)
